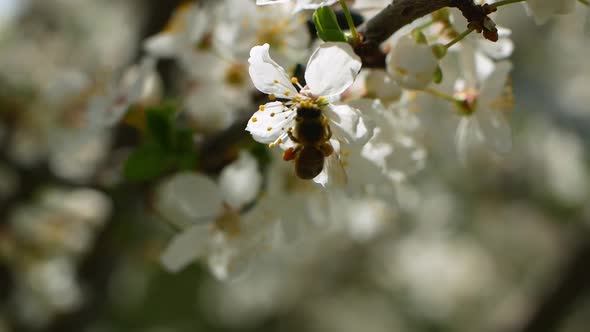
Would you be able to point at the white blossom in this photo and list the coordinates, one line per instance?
(209, 213)
(300, 4)
(330, 71)
(412, 65)
(483, 120)
(543, 10)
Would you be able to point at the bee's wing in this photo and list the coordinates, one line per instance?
(333, 173)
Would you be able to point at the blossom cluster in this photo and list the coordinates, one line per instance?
(353, 131)
(271, 139)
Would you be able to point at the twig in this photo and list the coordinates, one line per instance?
(403, 12)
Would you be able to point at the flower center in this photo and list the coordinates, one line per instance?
(236, 75)
(467, 101)
(228, 222)
(272, 33)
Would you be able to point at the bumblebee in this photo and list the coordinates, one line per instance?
(311, 136)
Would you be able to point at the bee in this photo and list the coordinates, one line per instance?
(312, 135)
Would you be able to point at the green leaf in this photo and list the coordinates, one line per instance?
(147, 162)
(160, 124)
(326, 25)
(187, 161)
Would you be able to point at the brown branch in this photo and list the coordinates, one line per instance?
(403, 12)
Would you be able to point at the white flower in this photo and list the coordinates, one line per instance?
(543, 10)
(301, 4)
(210, 215)
(393, 146)
(242, 24)
(483, 120)
(184, 31)
(412, 65)
(138, 83)
(330, 71)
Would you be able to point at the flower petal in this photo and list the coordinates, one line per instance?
(348, 124)
(270, 122)
(186, 247)
(162, 45)
(240, 181)
(495, 129)
(269, 2)
(267, 75)
(494, 84)
(333, 174)
(189, 198)
(467, 138)
(410, 64)
(331, 69)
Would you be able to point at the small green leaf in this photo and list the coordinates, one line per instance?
(147, 162)
(160, 124)
(326, 25)
(187, 161)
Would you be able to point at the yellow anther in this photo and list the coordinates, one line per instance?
(294, 80)
(269, 129)
(345, 154)
(271, 145)
(254, 119)
(276, 81)
(272, 96)
(272, 114)
(287, 93)
(261, 108)
(280, 141)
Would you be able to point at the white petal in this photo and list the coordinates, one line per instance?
(314, 4)
(333, 174)
(501, 49)
(267, 75)
(467, 138)
(382, 86)
(269, 2)
(163, 45)
(240, 181)
(494, 84)
(186, 247)
(348, 124)
(188, 198)
(331, 69)
(495, 129)
(268, 124)
(410, 64)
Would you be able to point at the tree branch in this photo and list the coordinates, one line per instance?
(403, 12)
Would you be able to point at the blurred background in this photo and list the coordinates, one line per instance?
(500, 246)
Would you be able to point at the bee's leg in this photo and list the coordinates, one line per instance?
(292, 137)
(291, 153)
(327, 149)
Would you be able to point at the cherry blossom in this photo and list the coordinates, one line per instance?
(330, 71)
(209, 214)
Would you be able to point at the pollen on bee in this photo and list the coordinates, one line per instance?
(261, 108)
(254, 119)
